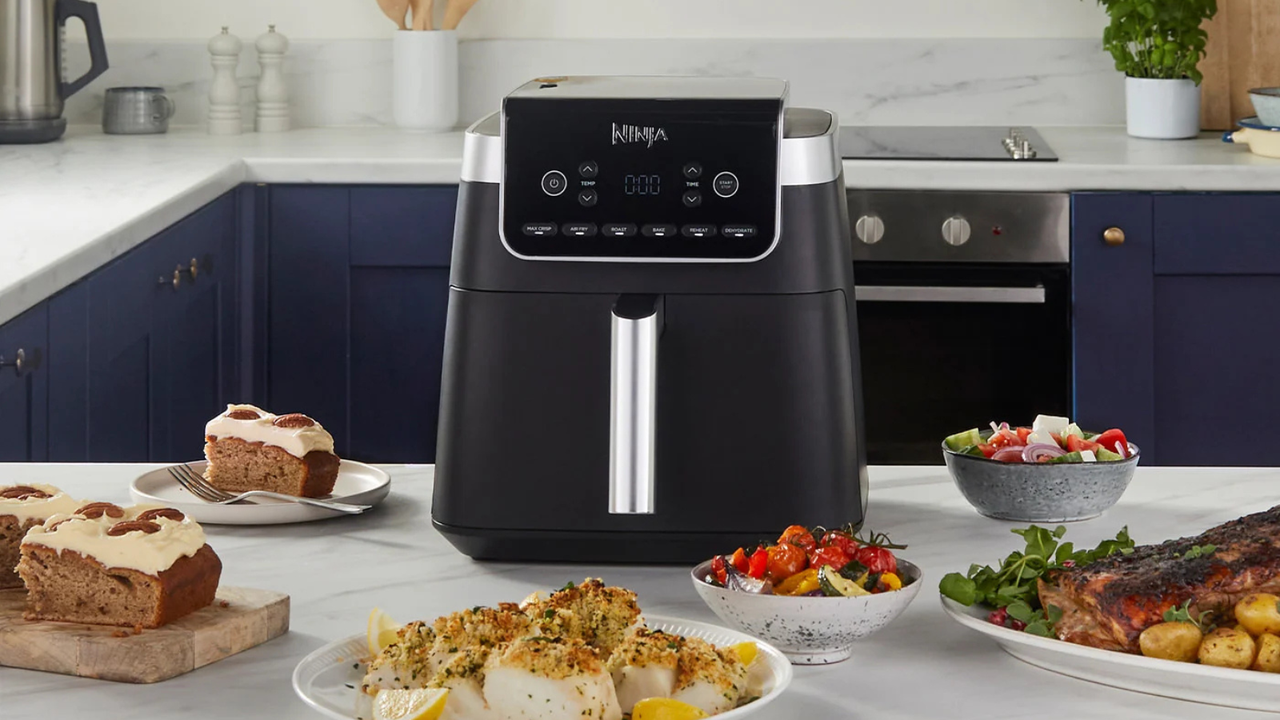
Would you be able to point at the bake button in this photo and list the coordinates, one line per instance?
(619, 229)
(691, 198)
(579, 229)
(658, 230)
(693, 171)
(543, 229)
(587, 197)
(697, 230)
(725, 184)
(738, 231)
(589, 169)
(554, 183)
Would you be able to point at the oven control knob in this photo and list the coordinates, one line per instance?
(869, 229)
(955, 230)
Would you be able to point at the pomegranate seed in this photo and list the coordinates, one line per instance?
(1018, 625)
(998, 617)
(1068, 563)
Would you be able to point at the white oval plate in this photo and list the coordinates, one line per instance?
(357, 483)
(328, 678)
(1245, 689)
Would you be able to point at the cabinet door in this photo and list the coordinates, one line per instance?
(1215, 370)
(24, 387)
(1113, 317)
(194, 326)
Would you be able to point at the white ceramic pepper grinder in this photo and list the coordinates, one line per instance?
(224, 93)
(273, 95)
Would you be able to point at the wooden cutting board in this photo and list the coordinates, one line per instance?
(1243, 53)
(250, 618)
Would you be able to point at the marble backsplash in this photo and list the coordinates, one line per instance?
(889, 81)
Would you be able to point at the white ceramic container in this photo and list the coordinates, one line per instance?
(424, 83)
(1162, 109)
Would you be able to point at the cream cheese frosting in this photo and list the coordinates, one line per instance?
(150, 553)
(297, 441)
(38, 508)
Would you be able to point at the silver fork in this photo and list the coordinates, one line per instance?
(195, 484)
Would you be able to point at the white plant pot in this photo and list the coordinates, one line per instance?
(424, 80)
(1162, 109)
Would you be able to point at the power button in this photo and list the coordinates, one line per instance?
(554, 183)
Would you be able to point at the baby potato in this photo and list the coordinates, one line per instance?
(1227, 647)
(1268, 659)
(1259, 613)
(1177, 641)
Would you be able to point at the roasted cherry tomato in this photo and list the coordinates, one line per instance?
(739, 560)
(840, 539)
(1111, 438)
(717, 569)
(758, 563)
(786, 560)
(798, 535)
(877, 559)
(831, 555)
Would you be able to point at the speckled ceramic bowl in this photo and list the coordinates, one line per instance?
(1041, 492)
(808, 630)
(1266, 101)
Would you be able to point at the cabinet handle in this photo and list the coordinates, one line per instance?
(194, 269)
(20, 362)
(1113, 236)
(175, 280)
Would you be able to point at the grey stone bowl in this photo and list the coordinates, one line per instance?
(1266, 102)
(1040, 492)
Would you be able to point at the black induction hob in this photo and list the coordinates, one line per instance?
(981, 143)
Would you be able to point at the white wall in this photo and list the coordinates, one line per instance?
(323, 19)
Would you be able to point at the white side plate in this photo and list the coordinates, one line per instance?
(1246, 689)
(357, 483)
(328, 679)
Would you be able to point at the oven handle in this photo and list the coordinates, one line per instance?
(915, 293)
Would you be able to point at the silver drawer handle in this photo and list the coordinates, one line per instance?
(912, 293)
(633, 379)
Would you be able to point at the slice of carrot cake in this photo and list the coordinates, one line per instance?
(21, 508)
(108, 565)
(249, 448)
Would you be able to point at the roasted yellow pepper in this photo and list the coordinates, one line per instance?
(802, 582)
(891, 581)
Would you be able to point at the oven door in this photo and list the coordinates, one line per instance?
(947, 347)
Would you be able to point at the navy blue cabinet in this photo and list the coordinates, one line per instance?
(143, 350)
(1173, 341)
(24, 387)
(358, 290)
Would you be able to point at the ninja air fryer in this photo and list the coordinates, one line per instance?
(651, 350)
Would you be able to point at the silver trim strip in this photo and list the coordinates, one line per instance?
(909, 293)
(633, 382)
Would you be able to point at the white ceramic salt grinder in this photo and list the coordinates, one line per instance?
(273, 94)
(424, 84)
(224, 93)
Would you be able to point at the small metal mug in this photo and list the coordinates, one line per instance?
(136, 111)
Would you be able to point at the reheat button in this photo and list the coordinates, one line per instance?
(698, 230)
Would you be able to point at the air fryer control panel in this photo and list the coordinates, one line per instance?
(640, 179)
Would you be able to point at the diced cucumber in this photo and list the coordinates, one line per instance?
(1071, 457)
(1105, 455)
(973, 450)
(959, 441)
(1073, 429)
(833, 585)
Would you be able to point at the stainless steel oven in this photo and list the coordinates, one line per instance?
(964, 314)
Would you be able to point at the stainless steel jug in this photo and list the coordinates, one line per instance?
(32, 90)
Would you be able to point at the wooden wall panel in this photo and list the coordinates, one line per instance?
(1244, 52)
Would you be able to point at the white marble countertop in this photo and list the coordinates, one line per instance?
(68, 208)
(923, 666)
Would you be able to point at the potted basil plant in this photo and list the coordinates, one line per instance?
(1157, 44)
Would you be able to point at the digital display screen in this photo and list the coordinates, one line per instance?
(642, 184)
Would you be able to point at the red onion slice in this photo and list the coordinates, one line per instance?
(1039, 452)
(1012, 453)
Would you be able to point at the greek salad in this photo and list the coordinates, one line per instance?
(1050, 439)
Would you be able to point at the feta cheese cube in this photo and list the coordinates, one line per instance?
(1050, 423)
(1088, 456)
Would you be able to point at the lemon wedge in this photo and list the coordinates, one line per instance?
(418, 704)
(665, 709)
(382, 631)
(747, 652)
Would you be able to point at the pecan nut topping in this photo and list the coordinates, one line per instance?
(168, 513)
(93, 511)
(243, 415)
(293, 420)
(23, 492)
(129, 526)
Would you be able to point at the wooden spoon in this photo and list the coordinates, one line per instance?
(421, 14)
(454, 11)
(396, 10)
